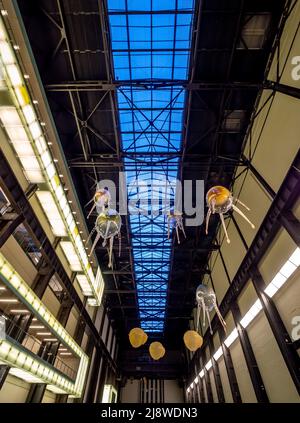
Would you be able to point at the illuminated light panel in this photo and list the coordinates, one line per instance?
(218, 354)
(284, 273)
(38, 167)
(208, 365)
(201, 374)
(84, 285)
(14, 282)
(71, 255)
(51, 211)
(20, 141)
(151, 45)
(231, 338)
(22, 374)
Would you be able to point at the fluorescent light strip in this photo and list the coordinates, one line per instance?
(251, 314)
(8, 300)
(208, 365)
(284, 273)
(71, 256)
(218, 353)
(21, 311)
(30, 163)
(231, 338)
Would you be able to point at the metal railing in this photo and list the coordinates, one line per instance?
(41, 349)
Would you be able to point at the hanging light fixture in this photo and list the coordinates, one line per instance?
(220, 200)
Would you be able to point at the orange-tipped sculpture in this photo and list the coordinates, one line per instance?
(220, 200)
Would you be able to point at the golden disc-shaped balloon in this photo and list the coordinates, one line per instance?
(156, 350)
(192, 340)
(137, 337)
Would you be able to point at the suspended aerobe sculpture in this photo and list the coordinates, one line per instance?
(137, 337)
(206, 300)
(101, 200)
(107, 225)
(192, 340)
(175, 221)
(220, 200)
(156, 350)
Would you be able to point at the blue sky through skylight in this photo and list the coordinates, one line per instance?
(151, 42)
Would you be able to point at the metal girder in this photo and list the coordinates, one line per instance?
(282, 88)
(216, 372)
(256, 379)
(145, 84)
(234, 386)
(9, 228)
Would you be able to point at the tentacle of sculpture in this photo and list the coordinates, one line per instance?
(182, 228)
(177, 233)
(207, 220)
(120, 241)
(209, 323)
(242, 214)
(242, 204)
(198, 317)
(223, 323)
(224, 227)
(204, 311)
(90, 212)
(90, 235)
(106, 233)
(111, 243)
(95, 242)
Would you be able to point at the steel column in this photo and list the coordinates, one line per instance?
(234, 387)
(216, 372)
(254, 373)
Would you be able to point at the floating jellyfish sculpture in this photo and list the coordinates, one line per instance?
(101, 200)
(175, 221)
(108, 226)
(206, 300)
(220, 200)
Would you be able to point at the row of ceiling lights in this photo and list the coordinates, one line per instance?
(30, 117)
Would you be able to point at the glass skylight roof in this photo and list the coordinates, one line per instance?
(151, 46)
